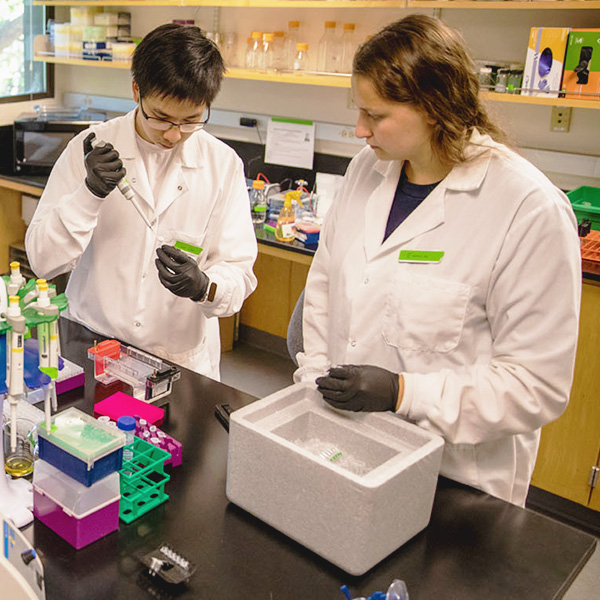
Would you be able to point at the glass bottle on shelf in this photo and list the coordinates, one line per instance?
(278, 50)
(254, 49)
(258, 202)
(329, 51)
(301, 58)
(247, 51)
(267, 56)
(229, 49)
(348, 43)
(291, 39)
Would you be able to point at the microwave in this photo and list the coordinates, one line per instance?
(39, 141)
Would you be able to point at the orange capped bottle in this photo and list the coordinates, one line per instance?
(285, 231)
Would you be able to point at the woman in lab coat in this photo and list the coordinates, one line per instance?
(128, 281)
(447, 281)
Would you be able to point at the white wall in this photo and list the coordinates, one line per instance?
(491, 34)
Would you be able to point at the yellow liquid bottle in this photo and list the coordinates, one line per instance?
(285, 231)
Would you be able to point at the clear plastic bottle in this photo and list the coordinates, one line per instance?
(348, 43)
(291, 39)
(285, 231)
(301, 57)
(258, 202)
(254, 50)
(329, 60)
(267, 56)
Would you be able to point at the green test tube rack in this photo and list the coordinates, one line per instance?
(143, 480)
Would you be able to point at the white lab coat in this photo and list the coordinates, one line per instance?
(114, 287)
(486, 338)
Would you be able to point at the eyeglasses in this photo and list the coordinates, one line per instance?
(164, 125)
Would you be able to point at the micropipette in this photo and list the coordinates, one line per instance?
(126, 190)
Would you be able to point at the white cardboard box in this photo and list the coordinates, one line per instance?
(369, 492)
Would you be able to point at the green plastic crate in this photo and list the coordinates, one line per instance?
(585, 201)
(143, 480)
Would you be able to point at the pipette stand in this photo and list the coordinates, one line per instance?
(31, 304)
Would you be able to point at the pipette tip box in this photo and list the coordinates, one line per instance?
(351, 487)
(78, 513)
(81, 446)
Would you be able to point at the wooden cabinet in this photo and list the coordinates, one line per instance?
(12, 226)
(281, 278)
(570, 446)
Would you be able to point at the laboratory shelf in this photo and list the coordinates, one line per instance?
(518, 99)
(57, 60)
(506, 4)
(233, 3)
(339, 81)
(469, 4)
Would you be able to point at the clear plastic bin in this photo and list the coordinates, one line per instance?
(78, 513)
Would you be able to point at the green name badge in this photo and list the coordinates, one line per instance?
(420, 256)
(188, 248)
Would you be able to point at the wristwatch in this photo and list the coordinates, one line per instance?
(210, 293)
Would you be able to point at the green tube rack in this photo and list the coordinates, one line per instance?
(143, 480)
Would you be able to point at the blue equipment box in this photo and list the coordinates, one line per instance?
(82, 447)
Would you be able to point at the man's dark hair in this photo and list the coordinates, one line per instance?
(178, 61)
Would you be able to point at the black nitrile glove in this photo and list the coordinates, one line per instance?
(180, 274)
(104, 167)
(360, 388)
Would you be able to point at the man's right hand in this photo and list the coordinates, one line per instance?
(104, 167)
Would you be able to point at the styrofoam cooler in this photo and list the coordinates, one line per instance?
(352, 487)
(80, 514)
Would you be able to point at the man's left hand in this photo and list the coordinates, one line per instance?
(180, 274)
(360, 388)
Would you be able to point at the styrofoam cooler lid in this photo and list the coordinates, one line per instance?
(82, 436)
(76, 498)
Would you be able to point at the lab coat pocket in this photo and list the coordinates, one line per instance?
(425, 313)
(191, 244)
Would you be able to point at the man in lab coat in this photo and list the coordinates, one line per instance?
(447, 281)
(159, 287)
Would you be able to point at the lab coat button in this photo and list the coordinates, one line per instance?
(138, 324)
(179, 188)
(366, 280)
(133, 180)
(353, 343)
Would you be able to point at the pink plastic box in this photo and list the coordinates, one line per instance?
(78, 513)
(120, 404)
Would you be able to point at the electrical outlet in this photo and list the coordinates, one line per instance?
(560, 120)
(347, 133)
